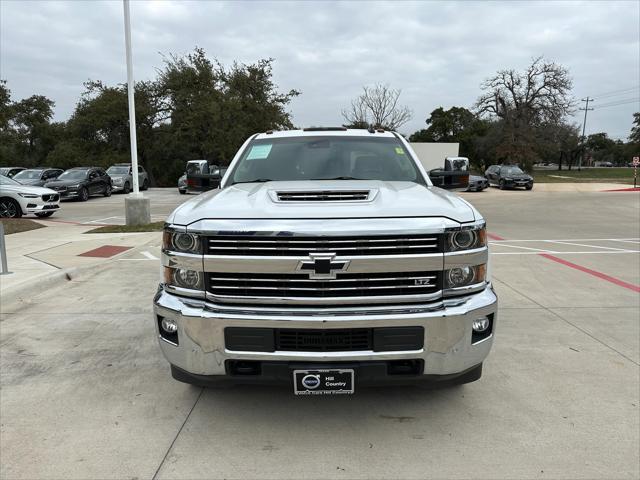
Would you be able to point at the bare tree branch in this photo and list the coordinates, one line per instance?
(377, 107)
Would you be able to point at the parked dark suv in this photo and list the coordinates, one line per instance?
(508, 176)
(81, 183)
(38, 176)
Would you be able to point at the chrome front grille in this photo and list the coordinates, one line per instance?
(345, 285)
(273, 246)
(323, 196)
(50, 197)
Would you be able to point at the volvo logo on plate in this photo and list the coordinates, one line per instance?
(322, 266)
(311, 381)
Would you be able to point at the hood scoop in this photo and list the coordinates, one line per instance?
(323, 195)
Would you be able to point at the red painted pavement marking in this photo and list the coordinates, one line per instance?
(105, 251)
(493, 236)
(600, 275)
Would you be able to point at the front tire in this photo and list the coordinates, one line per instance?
(83, 194)
(107, 191)
(501, 185)
(182, 192)
(44, 214)
(145, 185)
(9, 208)
(529, 187)
(127, 188)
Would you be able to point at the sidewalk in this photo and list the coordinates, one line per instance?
(47, 254)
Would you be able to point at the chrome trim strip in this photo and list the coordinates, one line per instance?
(190, 261)
(452, 292)
(284, 246)
(270, 239)
(185, 292)
(462, 258)
(317, 289)
(307, 280)
(288, 227)
(431, 262)
(325, 300)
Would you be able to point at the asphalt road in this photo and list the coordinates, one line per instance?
(87, 394)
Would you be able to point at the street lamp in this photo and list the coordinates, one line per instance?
(137, 208)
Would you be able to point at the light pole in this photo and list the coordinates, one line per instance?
(137, 208)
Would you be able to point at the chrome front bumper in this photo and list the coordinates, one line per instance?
(448, 348)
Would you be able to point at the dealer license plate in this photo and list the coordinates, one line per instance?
(323, 382)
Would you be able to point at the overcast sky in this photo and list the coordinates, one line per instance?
(437, 53)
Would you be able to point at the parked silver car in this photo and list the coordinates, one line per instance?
(122, 180)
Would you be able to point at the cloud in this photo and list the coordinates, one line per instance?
(437, 53)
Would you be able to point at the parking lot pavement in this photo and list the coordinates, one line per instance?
(87, 394)
(110, 210)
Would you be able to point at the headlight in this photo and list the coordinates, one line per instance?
(464, 276)
(466, 238)
(181, 242)
(183, 278)
(28, 195)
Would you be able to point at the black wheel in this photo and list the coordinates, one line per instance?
(126, 188)
(107, 191)
(9, 208)
(501, 185)
(44, 214)
(182, 192)
(145, 184)
(529, 187)
(83, 194)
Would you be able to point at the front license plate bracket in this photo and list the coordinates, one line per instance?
(323, 381)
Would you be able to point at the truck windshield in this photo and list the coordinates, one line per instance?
(325, 158)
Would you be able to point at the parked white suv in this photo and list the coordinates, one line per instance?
(17, 199)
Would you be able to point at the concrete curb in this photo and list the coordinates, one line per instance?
(54, 279)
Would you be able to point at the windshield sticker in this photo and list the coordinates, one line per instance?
(259, 152)
(399, 151)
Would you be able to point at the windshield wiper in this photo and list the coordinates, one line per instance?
(256, 180)
(340, 178)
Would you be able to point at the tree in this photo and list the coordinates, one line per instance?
(377, 107)
(524, 101)
(456, 124)
(31, 117)
(212, 109)
(634, 137)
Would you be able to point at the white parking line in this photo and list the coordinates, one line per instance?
(540, 250)
(633, 240)
(584, 245)
(149, 255)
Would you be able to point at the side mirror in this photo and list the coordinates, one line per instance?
(449, 180)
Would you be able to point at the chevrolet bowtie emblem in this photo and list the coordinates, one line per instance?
(321, 266)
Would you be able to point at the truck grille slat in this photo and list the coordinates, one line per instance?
(299, 285)
(252, 245)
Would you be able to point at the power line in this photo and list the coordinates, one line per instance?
(619, 102)
(614, 93)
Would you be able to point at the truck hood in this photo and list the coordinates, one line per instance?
(259, 200)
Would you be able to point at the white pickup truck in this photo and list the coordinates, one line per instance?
(325, 261)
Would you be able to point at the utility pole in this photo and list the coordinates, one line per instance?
(584, 125)
(137, 208)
